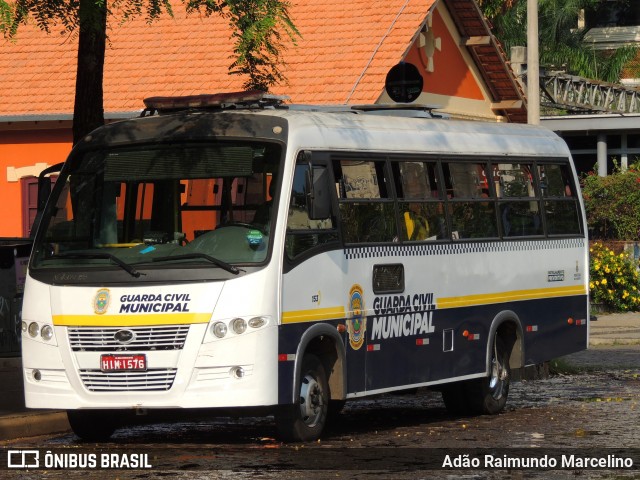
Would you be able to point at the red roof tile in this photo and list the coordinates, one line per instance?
(337, 60)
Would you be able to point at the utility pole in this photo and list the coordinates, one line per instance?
(533, 64)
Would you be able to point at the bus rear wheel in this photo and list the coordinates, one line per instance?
(305, 419)
(482, 396)
(488, 396)
(92, 425)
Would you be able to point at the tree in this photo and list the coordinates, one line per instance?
(5, 16)
(256, 27)
(562, 43)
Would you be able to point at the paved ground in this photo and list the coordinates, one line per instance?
(616, 329)
(614, 343)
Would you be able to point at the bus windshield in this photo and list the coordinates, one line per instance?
(205, 205)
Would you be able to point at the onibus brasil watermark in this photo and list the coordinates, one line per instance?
(34, 459)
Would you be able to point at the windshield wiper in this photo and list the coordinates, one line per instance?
(98, 255)
(224, 265)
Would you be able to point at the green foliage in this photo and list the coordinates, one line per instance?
(562, 44)
(6, 17)
(71, 13)
(613, 204)
(258, 27)
(613, 279)
(493, 8)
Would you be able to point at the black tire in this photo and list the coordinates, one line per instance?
(488, 396)
(305, 420)
(482, 396)
(92, 425)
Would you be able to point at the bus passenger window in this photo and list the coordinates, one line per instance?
(422, 221)
(514, 180)
(555, 181)
(466, 180)
(519, 218)
(473, 220)
(367, 213)
(471, 204)
(360, 180)
(421, 212)
(562, 217)
(560, 203)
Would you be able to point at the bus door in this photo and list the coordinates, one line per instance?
(313, 286)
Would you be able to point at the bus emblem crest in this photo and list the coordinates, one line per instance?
(357, 321)
(101, 301)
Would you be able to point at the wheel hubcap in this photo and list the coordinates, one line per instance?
(311, 401)
(498, 377)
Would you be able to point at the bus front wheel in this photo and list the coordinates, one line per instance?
(92, 425)
(304, 420)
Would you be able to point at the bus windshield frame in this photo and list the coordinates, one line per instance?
(200, 207)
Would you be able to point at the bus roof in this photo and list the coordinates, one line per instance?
(338, 131)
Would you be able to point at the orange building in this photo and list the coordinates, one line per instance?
(343, 56)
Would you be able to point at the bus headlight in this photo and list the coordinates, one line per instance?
(24, 326)
(47, 332)
(239, 325)
(257, 322)
(225, 328)
(219, 329)
(34, 329)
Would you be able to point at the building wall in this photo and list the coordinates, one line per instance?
(451, 79)
(24, 153)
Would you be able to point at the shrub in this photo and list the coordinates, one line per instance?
(612, 204)
(613, 279)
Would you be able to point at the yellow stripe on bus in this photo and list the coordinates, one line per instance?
(130, 320)
(315, 315)
(335, 313)
(512, 296)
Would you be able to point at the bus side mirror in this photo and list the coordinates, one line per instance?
(318, 193)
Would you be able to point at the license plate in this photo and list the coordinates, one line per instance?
(123, 363)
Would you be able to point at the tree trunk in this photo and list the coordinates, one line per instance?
(88, 113)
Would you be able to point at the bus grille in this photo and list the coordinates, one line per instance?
(91, 339)
(149, 381)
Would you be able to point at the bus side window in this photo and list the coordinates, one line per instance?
(560, 203)
(421, 209)
(367, 213)
(304, 233)
(471, 204)
(518, 204)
